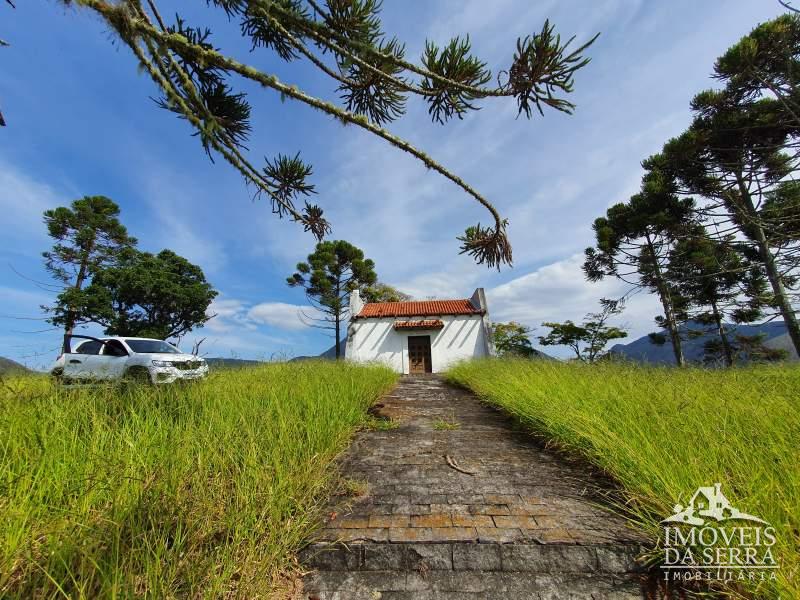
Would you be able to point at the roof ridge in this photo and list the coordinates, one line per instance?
(419, 308)
(412, 301)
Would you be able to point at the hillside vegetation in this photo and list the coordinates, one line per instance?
(11, 367)
(663, 432)
(184, 491)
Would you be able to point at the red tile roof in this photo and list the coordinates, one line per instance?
(425, 308)
(424, 324)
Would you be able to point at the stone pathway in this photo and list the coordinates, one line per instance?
(524, 525)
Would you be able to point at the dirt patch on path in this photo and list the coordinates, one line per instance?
(456, 503)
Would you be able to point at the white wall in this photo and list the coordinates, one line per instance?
(376, 340)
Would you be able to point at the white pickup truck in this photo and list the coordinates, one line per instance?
(138, 359)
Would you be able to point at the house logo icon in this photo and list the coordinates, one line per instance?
(710, 539)
(708, 503)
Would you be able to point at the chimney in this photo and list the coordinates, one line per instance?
(356, 303)
(478, 300)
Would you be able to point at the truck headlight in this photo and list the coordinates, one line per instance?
(162, 363)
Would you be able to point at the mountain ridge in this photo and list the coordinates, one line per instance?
(645, 351)
(8, 367)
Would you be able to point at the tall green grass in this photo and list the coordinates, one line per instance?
(663, 432)
(182, 491)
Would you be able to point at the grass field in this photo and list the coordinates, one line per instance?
(198, 491)
(662, 432)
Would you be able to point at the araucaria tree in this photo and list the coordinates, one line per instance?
(589, 339)
(633, 242)
(732, 157)
(88, 238)
(716, 282)
(740, 155)
(151, 295)
(335, 269)
(343, 40)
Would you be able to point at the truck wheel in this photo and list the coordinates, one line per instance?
(138, 375)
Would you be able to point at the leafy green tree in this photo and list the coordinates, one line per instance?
(717, 282)
(741, 151)
(150, 295)
(751, 348)
(780, 214)
(633, 242)
(345, 41)
(765, 62)
(589, 339)
(512, 339)
(383, 292)
(332, 271)
(88, 237)
(733, 162)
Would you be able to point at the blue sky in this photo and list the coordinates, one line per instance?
(80, 122)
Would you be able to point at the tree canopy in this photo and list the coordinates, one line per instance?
(512, 339)
(589, 339)
(633, 242)
(332, 271)
(716, 283)
(383, 292)
(107, 281)
(717, 232)
(152, 295)
(88, 237)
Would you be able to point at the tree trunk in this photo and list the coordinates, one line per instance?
(782, 299)
(338, 351)
(773, 274)
(666, 303)
(69, 327)
(338, 319)
(723, 336)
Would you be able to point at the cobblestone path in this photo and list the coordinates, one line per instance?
(524, 524)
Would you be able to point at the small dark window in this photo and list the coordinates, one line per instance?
(90, 347)
(114, 348)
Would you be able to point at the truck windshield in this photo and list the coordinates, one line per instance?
(151, 347)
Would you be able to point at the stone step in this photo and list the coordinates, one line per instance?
(540, 559)
(522, 523)
(443, 585)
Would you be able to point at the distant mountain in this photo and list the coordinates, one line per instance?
(783, 342)
(329, 354)
(10, 367)
(231, 363)
(643, 350)
(539, 355)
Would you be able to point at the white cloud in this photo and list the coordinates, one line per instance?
(23, 199)
(458, 282)
(281, 315)
(181, 220)
(241, 329)
(232, 315)
(229, 314)
(559, 291)
(226, 307)
(27, 301)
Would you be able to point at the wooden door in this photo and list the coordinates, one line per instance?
(419, 354)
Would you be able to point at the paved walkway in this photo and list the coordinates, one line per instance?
(523, 525)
